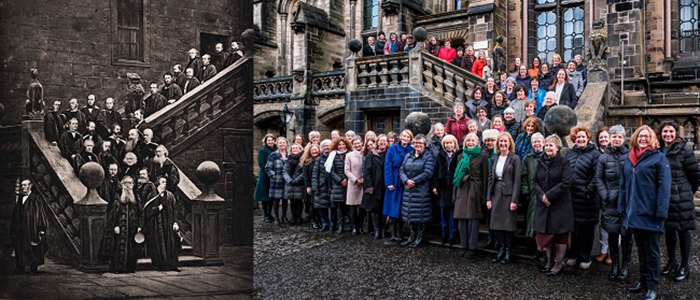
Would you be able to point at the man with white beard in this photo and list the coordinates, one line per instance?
(148, 149)
(130, 166)
(124, 220)
(145, 188)
(161, 229)
(162, 166)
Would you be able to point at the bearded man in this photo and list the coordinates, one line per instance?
(123, 222)
(162, 166)
(161, 229)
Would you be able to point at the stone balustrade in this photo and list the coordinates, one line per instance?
(382, 71)
(328, 83)
(276, 89)
(448, 81)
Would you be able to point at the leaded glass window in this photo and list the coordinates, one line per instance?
(689, 36)
(546, 34)
(559, 28)
(371, 14)
(573, 32)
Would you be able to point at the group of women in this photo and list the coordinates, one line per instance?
(483, 176)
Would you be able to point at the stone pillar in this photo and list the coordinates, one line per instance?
(350, 67)
(415, 60)
(208, 216)
(92, 213)
(282, 59)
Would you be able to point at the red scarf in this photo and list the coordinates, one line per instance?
(636, 153)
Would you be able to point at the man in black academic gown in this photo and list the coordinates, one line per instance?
(106, 157)
(28, 229)
(130, 166)
(91, 134)
(191, 82)
(71, 141)
(170, 90)
(74, 113)
(144, 187)
(85, 156)
(110, 185)
(162, 166)
(208, 69)
(179, 77)
(118, 142)
(161, 229)
(91, 110)
(108, 117)
(53, 123)
(220, 56)
(234, 56)
(155, 101)
(124, 220)
(195, 63)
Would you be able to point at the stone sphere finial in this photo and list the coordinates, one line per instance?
(354, 45)
(419, 34)
(418, 123)
(208, 172)
(91, 175)
(559, 120)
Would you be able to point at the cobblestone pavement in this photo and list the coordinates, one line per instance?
(300, 263)
(54, 281)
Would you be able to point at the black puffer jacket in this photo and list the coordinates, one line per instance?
(685, 176)
(607, 180)
(338, 191)
(320, 183)
(415, 205)
(513, 127)
(583, 189)
(294, 178)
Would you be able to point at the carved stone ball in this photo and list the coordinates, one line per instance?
(91, 175)
(419, 34)
(418, 123)
(560, 119)
(354, 45)
(208, 172)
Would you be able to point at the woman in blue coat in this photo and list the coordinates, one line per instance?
(394, 188)
(645, 208)
(415, 174)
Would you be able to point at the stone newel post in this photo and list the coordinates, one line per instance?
(91, 210)
(208, 216)
(415, 61)
(350, 67)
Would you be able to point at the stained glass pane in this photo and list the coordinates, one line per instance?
(689, 35)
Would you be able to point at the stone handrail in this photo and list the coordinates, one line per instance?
(276, 89)
(194, 110)
(446, 80)
(328, 83)
(382, 71)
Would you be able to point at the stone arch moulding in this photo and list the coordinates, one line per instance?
(328, 114)
(263, 116)
(451, 35)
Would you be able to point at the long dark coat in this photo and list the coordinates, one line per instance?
(308, 171)
(70, 143)
(196, 65)
(321, 183)
(530, 162)
(503, 193)
(607, 178)
(338, 191)
(293, 179)
(153, 103)
(162, 240)
(107, 119)
(645, 190)
(121, 249)
(568, 96)
(416, 204)
(686, 179)
(53, 126)
(91, 114)
(27, 224)
(167, 170)
(583, 189)
(262, 186)
(469, 197)
(442, 178)
(373, 174)
(553, 178)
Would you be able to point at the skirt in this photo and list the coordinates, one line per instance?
(544, 240)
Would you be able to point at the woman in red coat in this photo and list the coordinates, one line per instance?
(478, 67)
(447, 53)
(457, 124)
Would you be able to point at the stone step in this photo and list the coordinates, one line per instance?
(144, 264)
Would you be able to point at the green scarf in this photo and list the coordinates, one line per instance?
(463, 165)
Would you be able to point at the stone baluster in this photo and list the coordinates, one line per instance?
(428, 83)
(372, 75)
(459, 88)
(210, 101)
(362, 80)
(439, 79)
(404, 71)
(172, 124)
(192, 124)
(449, 85)
(384, 74)
(184, 116)
(394, 72)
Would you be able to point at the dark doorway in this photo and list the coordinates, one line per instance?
(384, 121)
(208, 42)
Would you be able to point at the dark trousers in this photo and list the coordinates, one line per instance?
(674, 236)
(468, 233)
(493, 237)
(297, 207)
(276, 207)
(649, 258)
(357, 216)
(323, 215)
(625, 243)
(505, 238)
(447, 222)
(267, 208)
(338, 211)
(583, 239)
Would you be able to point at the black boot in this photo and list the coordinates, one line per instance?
(499, 256)
(377, 233)
(354, 230)
(399, 226)
(670, 268)
(412, 236)
(625, 262)
(615, 269)
(341, 226)
(419, 235)
(506, 257)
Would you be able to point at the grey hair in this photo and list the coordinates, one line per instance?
(349, 132)
(554, 139)
(420, 137)
(325, 142)
(537, 135)
(314, 133)
(510, 79)
(618, 129)
(472, 121)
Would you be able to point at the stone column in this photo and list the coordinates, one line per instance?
(282, 59)
(350, 67)
(415, 60)
(208, 216)
(92, 213)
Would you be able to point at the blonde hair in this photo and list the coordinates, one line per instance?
(408, 132)
(654, 142)
(306, 157)
(511, 147)
(449, 138)
(464, 143)
(554, 139)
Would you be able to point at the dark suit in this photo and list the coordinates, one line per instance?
(369, 50)
(53, 126)
(208, 72)
(91, 114)
(196, 65)
(154, 103)
(171, 92)
(190, 84)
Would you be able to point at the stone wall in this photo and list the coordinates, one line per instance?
(324, 50)
(70, 42)
(655, 33)
(626, 26)
(11, 166)
(514, 40)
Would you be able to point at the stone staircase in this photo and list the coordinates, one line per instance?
(179, 125)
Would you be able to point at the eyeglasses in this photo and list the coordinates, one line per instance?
(418, 143)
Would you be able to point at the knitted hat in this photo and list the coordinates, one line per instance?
(490, 134)
(509, 110)
(380, 33)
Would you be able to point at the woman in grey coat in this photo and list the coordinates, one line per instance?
(415, 174)
(335, 165)
(294, 183)
(321, 185)
(502, 195)
(575, 78)
(607, 179)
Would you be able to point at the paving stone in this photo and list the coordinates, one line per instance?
(134, 291)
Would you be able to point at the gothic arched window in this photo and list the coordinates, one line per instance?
(689, 25)
(559, 28)
(371, 14)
